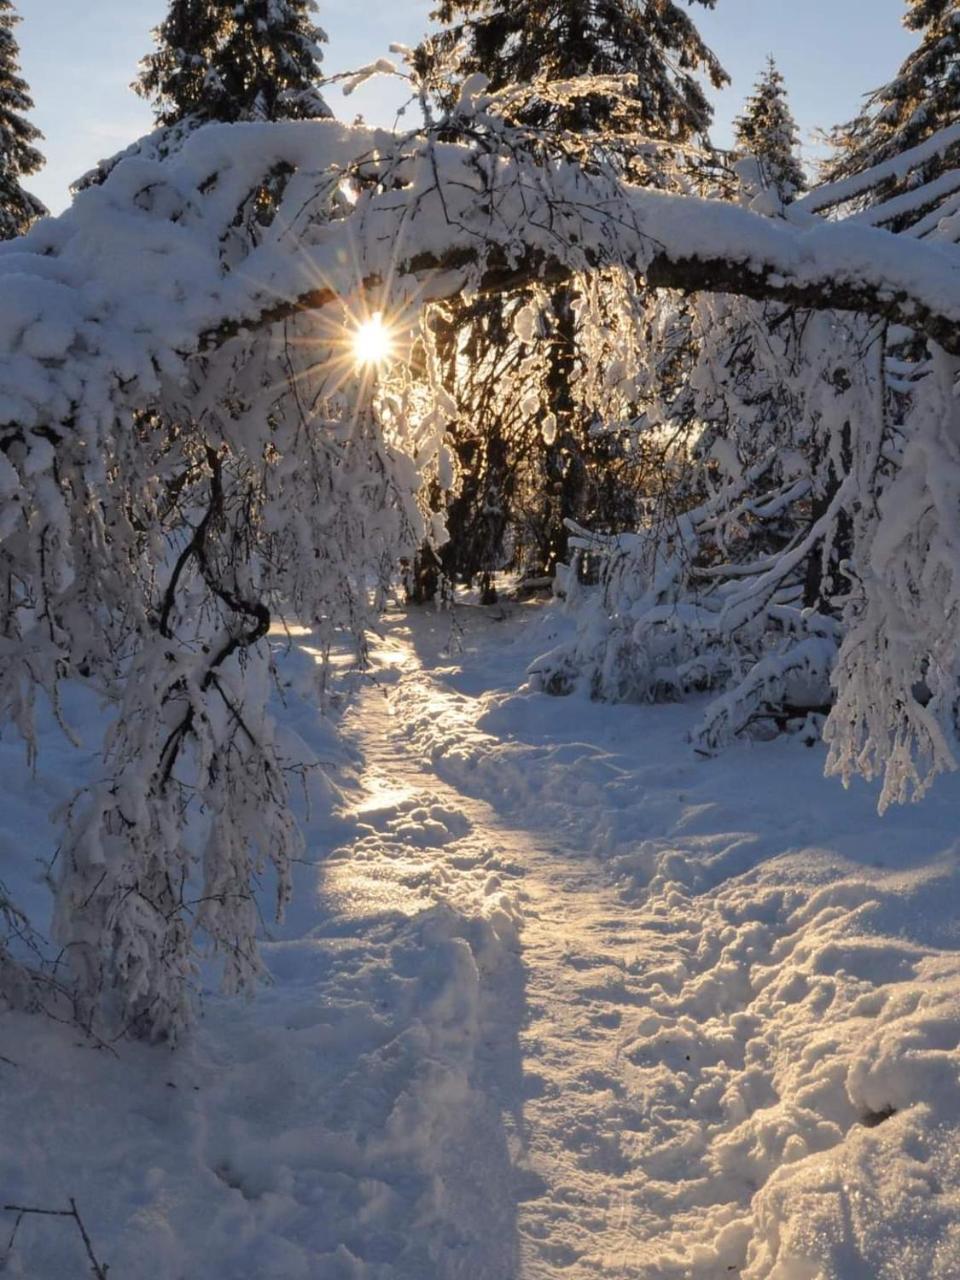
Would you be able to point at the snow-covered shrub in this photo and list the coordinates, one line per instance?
(898, 678)
(646, 633)
(737, 593)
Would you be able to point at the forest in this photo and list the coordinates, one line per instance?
(626, 469)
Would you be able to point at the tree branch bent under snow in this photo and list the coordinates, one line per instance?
(674, 242)
(142, 271)
(206, 247)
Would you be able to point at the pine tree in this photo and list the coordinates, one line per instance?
(236, 60)
(767, 131)
(18, 156)
(922, 98)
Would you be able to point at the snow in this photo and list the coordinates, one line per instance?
(554, 997)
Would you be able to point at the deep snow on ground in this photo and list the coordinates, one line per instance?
(556, 998)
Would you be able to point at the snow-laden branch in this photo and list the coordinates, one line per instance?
(144, 271)
(831, 194)
(509, 227)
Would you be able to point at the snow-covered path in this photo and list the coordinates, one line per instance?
(680, 1040)
(552, 1047)
(555, 1000)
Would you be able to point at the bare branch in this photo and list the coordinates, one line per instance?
(98, 1269)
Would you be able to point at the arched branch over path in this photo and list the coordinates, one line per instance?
(518, 228)
(168, 256)
(186, 448)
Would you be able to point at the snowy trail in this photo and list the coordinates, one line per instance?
(554, 1000)
(564, 1004)
(697, 1017)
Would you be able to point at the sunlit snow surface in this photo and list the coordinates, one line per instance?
(555, 999)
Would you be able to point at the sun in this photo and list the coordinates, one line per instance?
(372, 342)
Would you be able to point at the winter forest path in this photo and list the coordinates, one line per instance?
(700, 989)
(554, 1000)
(549, 1061)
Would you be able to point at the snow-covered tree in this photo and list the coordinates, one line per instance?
(898, 681)
(132, 930)
(188, 449)
(767, 131)
(611, 80)
(922, 99)
(651, 53)
(242, 60)
(18, 156)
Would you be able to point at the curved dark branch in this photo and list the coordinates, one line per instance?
(444, 275)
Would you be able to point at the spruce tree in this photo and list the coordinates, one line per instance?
(628, 74)
(922, 98)
(231, 60)
(521, 42)
(18, 156)
(767, 131)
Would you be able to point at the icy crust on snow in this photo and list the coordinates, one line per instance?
(784, 1097)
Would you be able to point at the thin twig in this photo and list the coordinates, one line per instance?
(99, 1269)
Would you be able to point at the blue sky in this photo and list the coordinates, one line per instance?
(80, 58)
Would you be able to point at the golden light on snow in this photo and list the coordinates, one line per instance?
(373, 342)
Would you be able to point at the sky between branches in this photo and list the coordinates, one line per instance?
(80, 59)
